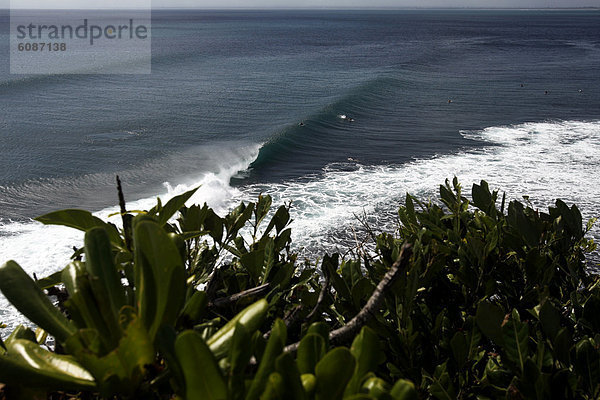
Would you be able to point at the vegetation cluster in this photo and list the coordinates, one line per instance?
(471, 298)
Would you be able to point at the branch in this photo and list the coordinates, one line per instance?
(289, 319)
(226, 301)
(126, 217)
(367, 312)
(321, 298)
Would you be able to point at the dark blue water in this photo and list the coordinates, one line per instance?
(228, 80)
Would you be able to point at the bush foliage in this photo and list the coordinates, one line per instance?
(469, 299)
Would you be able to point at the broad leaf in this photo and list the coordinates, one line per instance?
(173, 205)
(367, 352)
(286, 367)
(81, 220)
(160, 276)
(203, 378)
(404, 390)
(28, 298)
(489, 319)
(310, 351)
(516, 338)
(27, 364)
(333, 373)
(250, 317)
(274, 348)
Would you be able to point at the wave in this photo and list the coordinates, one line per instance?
(319, 132)
(96, 191)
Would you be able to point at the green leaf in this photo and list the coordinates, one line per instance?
(351, 272)
(531, 374)
(550, 319)
(194, 307)
(160, 276)
(27, 364)
(409, 208)
(263, 205)
(239, 352)
(174, 205)
(283, 239)
(483, 198)
(81, 220)
(516, 338)
(99, 263)
(572, 218)
(274, 348)
(321, 329)
(203, 378)
(49, 281)
(459, 348)
(473, 339)
(250, 317)
(367, 353)
(587, 364)
(165, 341)
(89, 308)
(120, 371)
(489, 318)
(274, 388)
(214, 225)
(254, 262)
(269, 259)
(279, 220)
(309, 383)
(447, 196)
(333, 373)
(310, 351)
(329, 267)
(285, 365)
(236, 219)
(376, 388)
(259, 344)
(360, 396)
(21, 332)
(28, 298)
(441, 387)
(404, 390)
(526, 226)
(562, 346)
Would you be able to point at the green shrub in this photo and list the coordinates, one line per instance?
(469, 299)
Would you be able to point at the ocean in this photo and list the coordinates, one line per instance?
(249, 102)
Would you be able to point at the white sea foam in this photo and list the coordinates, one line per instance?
(545, 161)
